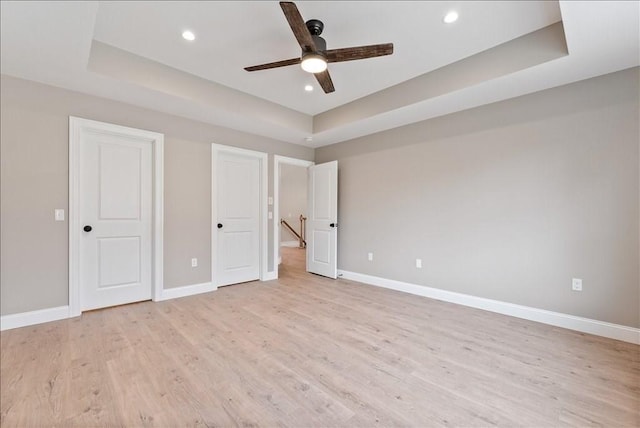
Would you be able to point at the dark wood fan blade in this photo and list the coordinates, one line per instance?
(325, 81)
(358, 52)
(283, 63)
(298, 26)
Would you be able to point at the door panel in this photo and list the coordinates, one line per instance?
(322, 223)
(237, 258)
(238, 189)
(119, 173)
(238, 250)
(118, 261)
(116, 202)
(322, 202)
(321, 247)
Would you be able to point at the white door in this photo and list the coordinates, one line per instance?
(116, 219)
(322, 222)
(236, 218)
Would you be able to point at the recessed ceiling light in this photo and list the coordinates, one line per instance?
(308, 88)
(188, 35)
(451, 17)
(308, 139)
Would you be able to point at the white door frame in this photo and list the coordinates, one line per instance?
(76, 127)
(263, 159)
(277, 161)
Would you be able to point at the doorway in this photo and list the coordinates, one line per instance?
(290, 205)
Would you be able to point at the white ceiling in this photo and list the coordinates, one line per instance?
(233, 35)
(51, 42)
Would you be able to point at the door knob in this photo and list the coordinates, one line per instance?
(333, 225)
(219, 225)
(87, 228)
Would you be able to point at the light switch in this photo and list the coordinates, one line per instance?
(59, 214)
(270, 200)
(576, 284)
(270, 215)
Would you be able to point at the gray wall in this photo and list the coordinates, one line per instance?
(508, 201)
(293, 198)
(34, 181)
(187, 212)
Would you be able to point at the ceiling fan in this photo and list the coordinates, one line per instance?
(315, 55)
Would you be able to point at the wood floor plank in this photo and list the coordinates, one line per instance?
(306, 351)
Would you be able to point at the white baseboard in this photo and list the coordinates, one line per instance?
(187, 290)
(270, 276)
(290, 244)
(24, 319)
(585, 325)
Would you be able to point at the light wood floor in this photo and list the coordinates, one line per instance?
(308, 351)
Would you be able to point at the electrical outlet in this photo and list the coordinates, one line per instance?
(194, 262)
(576, 284)
(370, 257)
(419, 263)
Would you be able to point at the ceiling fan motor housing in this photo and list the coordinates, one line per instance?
(321, 47)
(321, 44)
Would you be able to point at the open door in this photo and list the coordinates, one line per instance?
(322, 223)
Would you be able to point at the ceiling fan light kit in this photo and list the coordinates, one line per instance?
(313, 63)
(315, 56)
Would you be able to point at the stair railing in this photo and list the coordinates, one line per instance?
(303, 243)
(300, 236)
